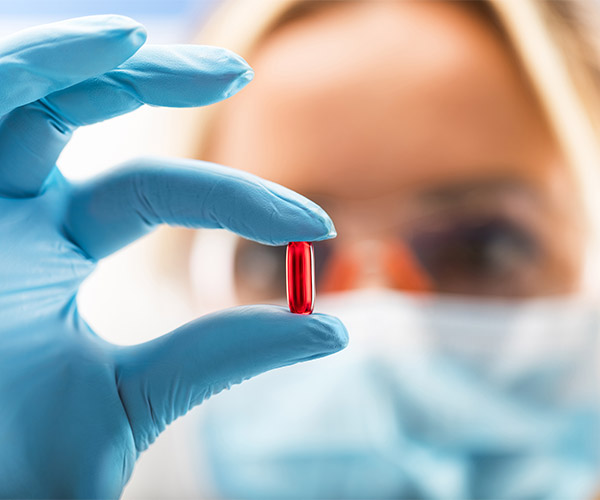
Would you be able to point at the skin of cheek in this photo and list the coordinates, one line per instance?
(382, 98)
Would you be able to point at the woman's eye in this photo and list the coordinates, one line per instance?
(487, 256)
(490, 256)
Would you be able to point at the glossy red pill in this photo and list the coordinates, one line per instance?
(300, 274)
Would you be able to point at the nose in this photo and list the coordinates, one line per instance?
(373, 264)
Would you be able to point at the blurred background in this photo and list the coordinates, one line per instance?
(496, 199)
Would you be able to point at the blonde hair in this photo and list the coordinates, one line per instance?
(555, 43)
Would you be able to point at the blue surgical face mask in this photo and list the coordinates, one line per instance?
(434, 399)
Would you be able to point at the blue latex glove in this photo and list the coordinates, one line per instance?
(75, 410)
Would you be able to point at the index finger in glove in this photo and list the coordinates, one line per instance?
(38, 61)
(112, 210)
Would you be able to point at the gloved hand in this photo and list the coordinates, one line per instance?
(75, 410)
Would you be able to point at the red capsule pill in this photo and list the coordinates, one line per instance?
(300, 283)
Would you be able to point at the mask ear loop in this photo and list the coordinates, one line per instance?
(211, 270)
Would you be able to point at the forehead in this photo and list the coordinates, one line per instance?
(371, 97)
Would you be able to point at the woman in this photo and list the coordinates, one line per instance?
(455, 146)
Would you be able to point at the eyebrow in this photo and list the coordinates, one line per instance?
(456, 192)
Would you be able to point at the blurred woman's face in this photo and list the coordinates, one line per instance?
(413, 126)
